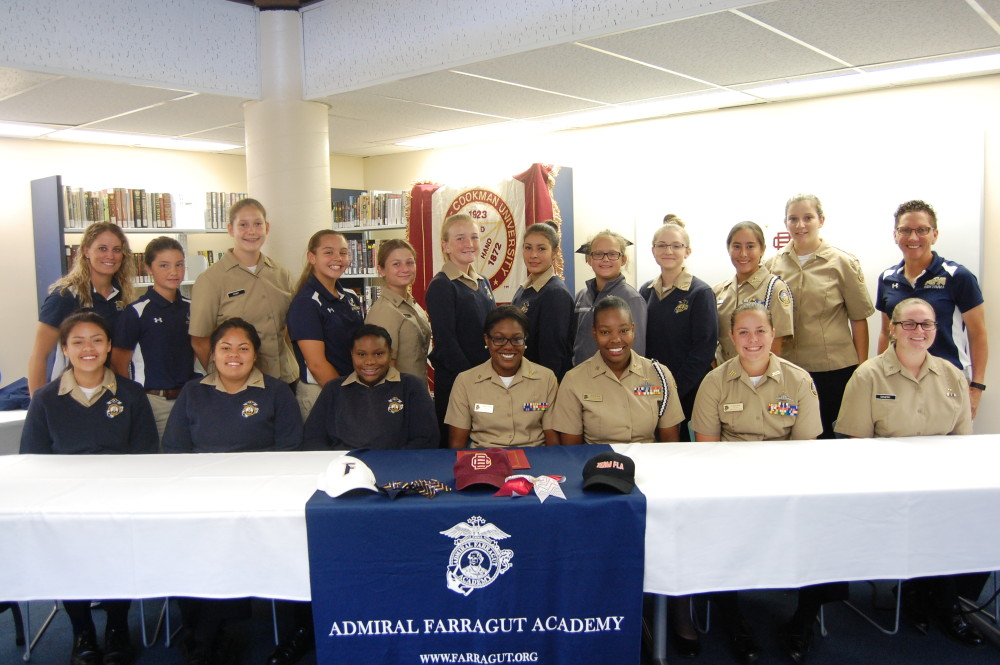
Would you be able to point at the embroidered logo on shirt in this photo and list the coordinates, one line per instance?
(250, 408)
(647, 389)
(524, 308)
(536, 406)
(395, 405)
(115, 408)
(782, 408)
(784, 298)
(681, 306)
(936, 283)
(157, 319)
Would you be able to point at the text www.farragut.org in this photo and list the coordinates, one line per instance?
(484, 658)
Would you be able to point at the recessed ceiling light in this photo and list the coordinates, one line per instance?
(139, 140)
(21, 130)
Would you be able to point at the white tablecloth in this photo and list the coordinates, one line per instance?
(719, 516)
(11, 424)
(785, 514)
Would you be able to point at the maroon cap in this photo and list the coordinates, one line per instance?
(486, 467)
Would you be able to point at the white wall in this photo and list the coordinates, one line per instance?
(863, 154)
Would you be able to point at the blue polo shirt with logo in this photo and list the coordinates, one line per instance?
(156, 331)
(61, 303)
(951, 289)
(317, 314)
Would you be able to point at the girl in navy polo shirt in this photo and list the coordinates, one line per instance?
(152, 345)
(100, 279)
(90, 411)
(236, 408)
(458, 300)
(323, 317)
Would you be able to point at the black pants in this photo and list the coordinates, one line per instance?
(82, 620)
(830, 388)
(443, 383)
(204, 618)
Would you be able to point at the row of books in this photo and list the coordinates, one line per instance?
(129, 208)
(363, 255)
(370, 209)
(369, 293)
(210, 256)
(217, 205)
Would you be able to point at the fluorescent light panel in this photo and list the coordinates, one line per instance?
(139, 140)
(22, 130)
(878, 78)
(480, 134)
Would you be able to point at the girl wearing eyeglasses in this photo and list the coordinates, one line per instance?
(506, 401)
(682, 329)
(323, 317)
(908, 391)
(606, 256)
(950, 289)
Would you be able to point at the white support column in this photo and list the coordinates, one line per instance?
(287, 144)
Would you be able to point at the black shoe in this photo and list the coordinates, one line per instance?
(744, 644)
(916, 607)
(685, 647)
(957, 628)
(295, 645)
(797, 640)
(117, 647)
(85, 651)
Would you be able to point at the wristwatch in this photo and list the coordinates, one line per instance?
(981, 386)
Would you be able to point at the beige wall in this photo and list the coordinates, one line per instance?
(863, 153)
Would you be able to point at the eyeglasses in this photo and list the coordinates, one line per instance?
(912, 325)
(920, 231)
(661, 246)
(500, 340)
(597, 256)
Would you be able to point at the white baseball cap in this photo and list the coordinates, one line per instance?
(345, 475)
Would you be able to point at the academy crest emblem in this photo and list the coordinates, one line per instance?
(395, 405)
(250, 408)
(476, 560)
(115, 408)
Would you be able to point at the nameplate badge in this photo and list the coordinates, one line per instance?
(593, 398)
(878, 396)
(233, 294)
(483, 408)
(732, 408)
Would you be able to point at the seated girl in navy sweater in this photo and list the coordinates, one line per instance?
(91, 411)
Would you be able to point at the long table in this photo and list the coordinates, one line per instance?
(719, 516)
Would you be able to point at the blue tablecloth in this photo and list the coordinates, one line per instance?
(419, 580)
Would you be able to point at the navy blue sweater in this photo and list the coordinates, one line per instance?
(457, 314)
(682, 332)
(550, 324)
(117, 423)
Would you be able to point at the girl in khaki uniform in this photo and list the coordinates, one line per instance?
(507, 400)
(832, 305)
(753, 397)
(753, 282)
(906, 391)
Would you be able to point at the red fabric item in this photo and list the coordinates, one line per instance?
(537, 197)
(420, 233)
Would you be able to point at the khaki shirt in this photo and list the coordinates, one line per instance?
(729, 295)
(782, 406)
(683, 282)
(498, 416)
(391, 375)
(540, 281)
(254, 380)
(882, 399)
(409, 328)
(592, 401)
(830, 292)
(68, 384)
(470, 279)
(227, 289)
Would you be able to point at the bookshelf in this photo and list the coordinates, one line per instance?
(365, 218)
(60, 215)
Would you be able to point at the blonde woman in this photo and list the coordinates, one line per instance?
(100, 280)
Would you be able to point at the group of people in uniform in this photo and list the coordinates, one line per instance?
(778, 352)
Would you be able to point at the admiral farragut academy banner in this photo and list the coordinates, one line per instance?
(503, 210)
(467, 577)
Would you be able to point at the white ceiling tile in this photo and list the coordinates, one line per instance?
(478, 95)
(13, 81)
(571, 69)
(720, 48)
(992, 7)
(67, 101)
(864, 32)
(374, 108)
(225, 134)
(350, 131)
(184, 116)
